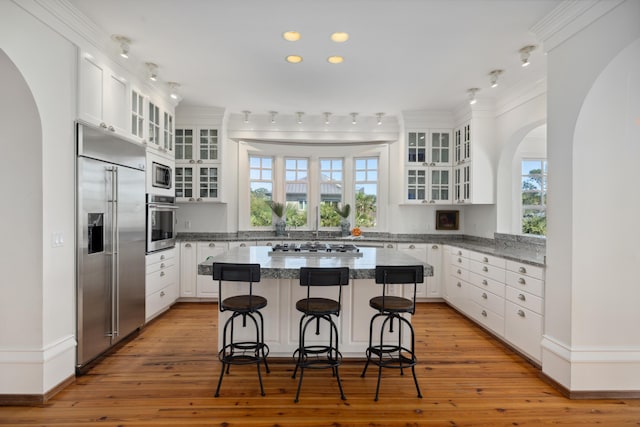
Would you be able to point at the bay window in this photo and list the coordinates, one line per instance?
(366, 191)
(261, 189)
(331, 186)
(296, 188)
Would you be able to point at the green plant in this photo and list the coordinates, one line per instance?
(277, 208)
(344, 211)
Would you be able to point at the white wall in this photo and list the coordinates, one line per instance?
(591, 342)
(37, 349)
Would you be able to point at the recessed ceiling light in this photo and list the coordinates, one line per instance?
(340, 37)
(335, 59)
(294, 59)
(291, 36)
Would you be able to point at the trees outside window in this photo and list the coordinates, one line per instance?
(331, 191)
(366, 191)
(534, 196)
(261, 187)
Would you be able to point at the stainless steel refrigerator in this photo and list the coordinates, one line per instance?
(110, 220)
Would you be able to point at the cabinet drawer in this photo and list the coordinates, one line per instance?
(162, 265)
(454, 251)
(487, 283)
(457, 293)
(459, 272)
(487, 318)
(526, 269)
(525, 283)
(488, 259)
(160, 256)
(525, 299)
(487, 270)
(523, 329)
(161, 279)
(160, 300)
(488, 300)
(459, 261)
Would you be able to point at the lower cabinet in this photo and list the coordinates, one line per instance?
(161, 282)
(505, 297)
(432, 255)
(191, 254)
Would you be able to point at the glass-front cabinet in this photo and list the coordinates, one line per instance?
(428, 185)
(428, 166)
(197, 154)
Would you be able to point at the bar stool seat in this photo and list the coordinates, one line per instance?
(394, 354)
(245, 307)
(318, 306)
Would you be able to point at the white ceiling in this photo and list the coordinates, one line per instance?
(402, 54)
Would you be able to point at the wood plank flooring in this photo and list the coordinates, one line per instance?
(167, 377)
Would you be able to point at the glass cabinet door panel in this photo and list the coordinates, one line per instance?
(184, 182)
(184, 144)
(417, 147)
(209, 183)
(208, 144)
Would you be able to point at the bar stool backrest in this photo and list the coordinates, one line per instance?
(319, 276)
(231, 272)
(399, 275)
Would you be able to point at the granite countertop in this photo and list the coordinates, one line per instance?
(288, 266)
(525, 249)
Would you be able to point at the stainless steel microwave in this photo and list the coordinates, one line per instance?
(160, 176)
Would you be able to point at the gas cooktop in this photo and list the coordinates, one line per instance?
(316, 248)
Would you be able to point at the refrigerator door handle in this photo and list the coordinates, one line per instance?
(115, 282)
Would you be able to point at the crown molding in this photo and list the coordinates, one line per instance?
(568, 18)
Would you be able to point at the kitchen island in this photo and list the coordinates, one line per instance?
(279, 284)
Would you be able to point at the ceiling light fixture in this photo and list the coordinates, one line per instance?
(294, 59)
(291, 36)
(353, 118)
(299, 117)
(152, 71)
(340, 37)
(273, 116)
(246, 115)
(124, 45)
(525, 52)
(326, 118)
(494, 77)
(336, 59)
(174, 86)
(472, 95)
(379, 118)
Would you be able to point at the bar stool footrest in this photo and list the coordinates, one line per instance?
(391, 356)
(243, 353)
(330, 359)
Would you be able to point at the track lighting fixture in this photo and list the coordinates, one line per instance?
(379, 118)
(273, 116)
(299, 116)
(494, 77)
(246, 115)
(124, 45)
(152, 70)
(353, 118)
(326, 118)
(173, 86)
(525, 52)
(472, 95)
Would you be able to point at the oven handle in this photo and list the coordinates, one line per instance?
(154, 206)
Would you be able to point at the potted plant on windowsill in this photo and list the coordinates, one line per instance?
(278, 210)
(344, 212)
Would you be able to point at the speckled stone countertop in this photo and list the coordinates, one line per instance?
(288, 266)
(526, 249)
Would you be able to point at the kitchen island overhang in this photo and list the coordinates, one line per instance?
(280, 286)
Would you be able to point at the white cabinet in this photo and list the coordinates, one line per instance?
(504, 296)
(473, 172)
(198, 167)
(418, 251)
(103, 95)
(161, 282)
(434, 258)
(428, 167)
(193, 285)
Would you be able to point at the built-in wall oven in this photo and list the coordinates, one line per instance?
(161, 222)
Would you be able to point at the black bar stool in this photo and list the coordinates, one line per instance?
(317, 309)
(391, 308)
(245, 306)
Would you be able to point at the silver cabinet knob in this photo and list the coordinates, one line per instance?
(162, 274)
(103, 125)
(390, 246)
(484, 282)
(199, 161)
(459, 260)
(187, 245)
(199, 199)
(484, 295)
(112, 129)
(162, 257)
(522, 270)
(269, 244)
(191, 199)
(242, 245)
(212, 245)
(485, 269)
(162, 293)
(162, 265)
(521, 313)
(434, 247)
(521, 297)
(485, 259)
(459, 272)
(459, 252)
(522, 281)
(484, 313)
(459, 284)
(412, 246)
(432, 201)
(192, 161)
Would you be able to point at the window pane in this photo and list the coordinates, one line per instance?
(366, 191)
(534, 196)
(331, 187)
(296, 191)
(261, 188)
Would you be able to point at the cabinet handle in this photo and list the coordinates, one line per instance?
(162, 265)
(459, 272)
(192, 161)
(103, 125)
(484, 295)
(522, 270)
(242, 245)
(522, 281)
(162, 257)
(521, 297)
(434, 247)
(423, 201)
(485, 259)
(459, 284)
(199, 199)
(199, 161)
(187, 245)
(432, 201)
(484, 282)
(412, 246)
(112, 129)
(485, 269)
(162, 274)
(459, 252)
(389, 246)
(269, 244)
(212, 245)
(459, 260)
(191, 199)
(484, 313)
(432, 164)
(162, 293)
(521, 313)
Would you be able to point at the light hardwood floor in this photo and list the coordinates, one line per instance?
(167, 377)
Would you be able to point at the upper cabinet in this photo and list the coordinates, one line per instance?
(473, 174)
(428, 148)
(428, 167)
(103, 96)
(198, 164)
